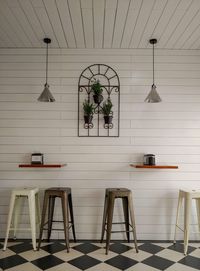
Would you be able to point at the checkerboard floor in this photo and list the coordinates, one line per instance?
(90, 256)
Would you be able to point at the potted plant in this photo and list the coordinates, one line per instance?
(97, 91)
(107, 112)
(88, 109)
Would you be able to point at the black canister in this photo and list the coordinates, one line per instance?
(149, 160)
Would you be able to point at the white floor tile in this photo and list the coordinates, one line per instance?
(164, 245)
(180, 267)
(100, 254)
(63, 255)
(196, 253)
(33, 255)
(103, 267)
(142, 255)
(24, 267)
(141, 267)
(63, 267)
(171, 255)
(6, 253)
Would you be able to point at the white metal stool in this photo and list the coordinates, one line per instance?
(187, 195)
(17, 196)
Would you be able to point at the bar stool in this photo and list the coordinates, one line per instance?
(187, 195)
(17, 196)
(64, 193)
(110, 195)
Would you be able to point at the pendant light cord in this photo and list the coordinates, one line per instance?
(47, 63)
(153, 63)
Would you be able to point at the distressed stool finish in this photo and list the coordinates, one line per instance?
(110, 196)
(188, 196)
(17, 196)
(64, 193)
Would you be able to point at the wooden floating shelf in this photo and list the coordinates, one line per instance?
(155, 166)
(42, 165)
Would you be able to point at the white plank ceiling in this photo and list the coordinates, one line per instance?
(100, 23)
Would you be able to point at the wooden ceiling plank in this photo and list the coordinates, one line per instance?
(55, 21)
(25, 25)
(110, 13)
(98, 13)
(75, 10)
(189, 31)
(195, 45)
(174, 21)
(185, 21)
(65, 16)
(88, 27)
(192, 38)
(131, 21)
(152, 22)
(15, 24)
(164, 19)
(144, 14)
(46, 25)
(30, 13)
(5, 39)
(120, 21)
(7, 28)
(86, 4)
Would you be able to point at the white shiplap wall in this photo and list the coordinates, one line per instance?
(170, 129)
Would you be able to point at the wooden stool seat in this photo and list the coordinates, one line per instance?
(187, 195)
(110, 195)
(64, 193)
(17, 196)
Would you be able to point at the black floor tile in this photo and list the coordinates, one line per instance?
(84, 262)
(151, 248)
(47, 262)
(119, 248)
(180, 248)
(158, 262)
(121, 262)
(11, 261)
(54, 247)
(191, 261)
(19, 248)
(86, 248)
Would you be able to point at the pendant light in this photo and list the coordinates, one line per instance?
(46, 95)
(153, 96)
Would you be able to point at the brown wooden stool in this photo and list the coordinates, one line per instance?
(64, 193)
(110, 196)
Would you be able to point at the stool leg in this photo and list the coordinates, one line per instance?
(104, 217)
(65, 220)
(71, 215)
(16, 214)
(44, 209)
(50, 215)
(11, 208)
(188, 203)
(180, 200)
(37, 206)
(32, 213)
(198, 211)
(111, 201)
(126, 217)
(130, 205)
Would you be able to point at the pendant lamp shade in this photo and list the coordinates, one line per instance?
(153, 96)
(46, 95)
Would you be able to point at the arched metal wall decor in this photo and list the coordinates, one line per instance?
(98, 102)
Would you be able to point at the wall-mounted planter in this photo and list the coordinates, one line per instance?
(99, 89)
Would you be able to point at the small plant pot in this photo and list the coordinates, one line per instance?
(88, 119)
(98, 98)
(108, 119)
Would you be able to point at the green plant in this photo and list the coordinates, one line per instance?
(96, 88)
(88, 108)
(107, 106)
